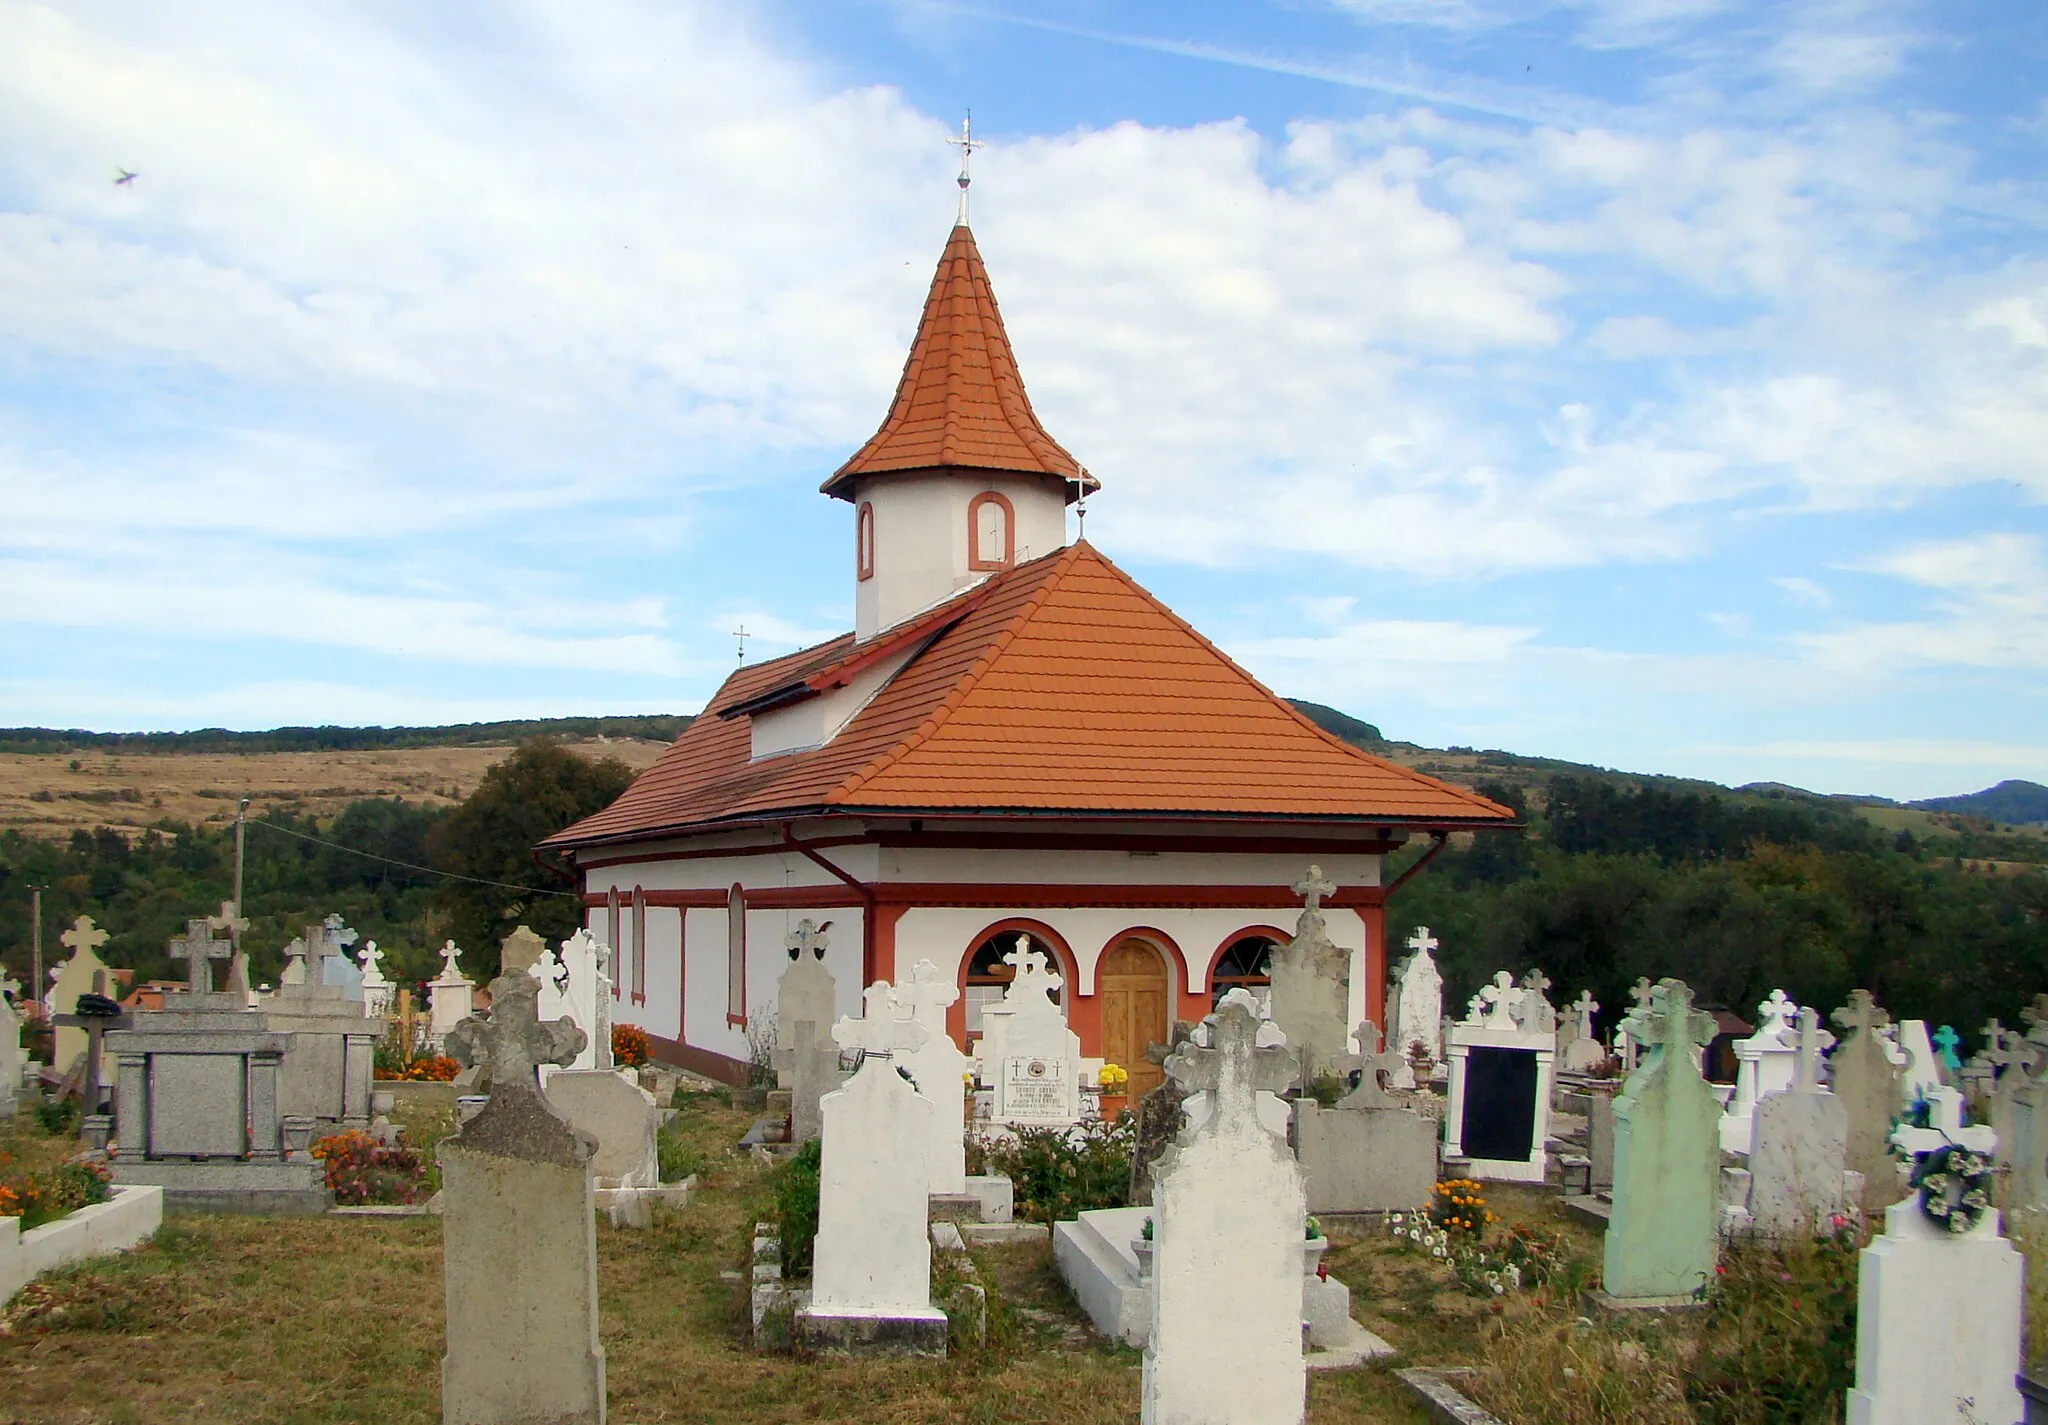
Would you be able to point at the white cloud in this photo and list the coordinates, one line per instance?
(1804, 591)
(1991, 611)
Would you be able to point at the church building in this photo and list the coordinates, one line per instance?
(1014, 739)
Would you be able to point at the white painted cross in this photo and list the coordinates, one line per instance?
(1422, 942)
(451, 972)
(1812, 1040)
(878, 1033)
(84, 937)
(1031, 973)
(1500, 999)
(807, 936)
(1312, 888)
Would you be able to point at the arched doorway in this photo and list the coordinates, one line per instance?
(1132, 987)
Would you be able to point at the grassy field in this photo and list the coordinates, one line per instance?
(51, 795)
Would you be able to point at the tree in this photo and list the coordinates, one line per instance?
(541, 788)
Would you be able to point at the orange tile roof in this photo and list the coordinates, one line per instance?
(961, 401)
(1061, 686)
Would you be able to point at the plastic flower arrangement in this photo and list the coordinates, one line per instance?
(1457, 1206)
(630, 1046)
(1113, 1078)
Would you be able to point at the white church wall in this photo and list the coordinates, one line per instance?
(921, 551)
(816, 721)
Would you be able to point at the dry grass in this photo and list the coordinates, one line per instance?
(130, 791)
(25, 1148)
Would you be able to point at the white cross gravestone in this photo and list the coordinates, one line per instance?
(574, 985)
(10, 1047)
(806, 994)
(1310, 979)
(450, 997)
(871, 1265)
(1866, 1080)
(939, 1069)
(305, 971)
(1764, 1064)
(1938, 1309)
(1026, 1045)
(1578, 1042)
(1923, 1068)
(1535, 1012)
(70, 980)
(1627, 1041)
(1797, 1183)
(1225, 1344)
(377, 991)
(1502, 1074)
(1415, 1008)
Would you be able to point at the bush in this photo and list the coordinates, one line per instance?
(361, 1170)
(796, 1207)
(631, 1047)
(1778, 1339)
(58, 1117)
(678, 1159)
(1059, 1173)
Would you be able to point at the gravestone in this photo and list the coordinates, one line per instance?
(1764, 1064)
(1627, 1044)
(1498, 1115)
(70, 980)
(1866, 1080)
(575, 985)
(518, 1232)
(520, 951)
(806, 993)
(1534, 1011)
(1159, 1116)
(2015, 1093)
(1798, 1181)
(1370, 1153)
(10, 1048)
(1663, 1234)
(1922, 1068)
(377, 991)
(1937, 1311)
(1032, 1057)
(450, 997)
(1310, 978)
(326, 1076)
(621, 1118)
(809, 1071)
(234, 923)
(939, 1070)
(872, 1260)
(1415, 1008)
(1578, 1041)
(1225, 1344)
(1946, 1041)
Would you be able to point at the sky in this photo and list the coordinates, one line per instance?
(1661, 384)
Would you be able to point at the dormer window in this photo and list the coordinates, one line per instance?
(991, 532)
(864, 541)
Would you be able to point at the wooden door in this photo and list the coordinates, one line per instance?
(1131, 983)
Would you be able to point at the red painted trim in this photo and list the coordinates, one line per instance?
(956, 1014)
(639, 946)
(699, 1061)
(682, 977)
(974, 559)
(1271, 932)
(771, 898)
(884, 943)
(864, 542)
(983, 894)
(711, 854)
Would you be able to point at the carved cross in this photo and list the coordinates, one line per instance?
(1583, 1010)
(1673, 1025)
(1536, 983)
(1945, 1041)
(1812, 1040)
(1945, 1126)
(451, 973)
(1232, 1069)
(878, 1033)
(806, 936)
(1500, 999)
(230, 919)
(198, 949)
(370, 958)
(1862, 1015)
(1312, 888)
(1778, 1013)
(1032, 974)
(2036, 1014)
(928, 985)
(84, 937)
(1642, 992)
(1371, 1061)
(514, 1042)
(2015, 1061)
(1422, 942)
(813, 1070)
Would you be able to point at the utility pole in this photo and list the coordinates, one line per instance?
(36, 944)
(234, 931)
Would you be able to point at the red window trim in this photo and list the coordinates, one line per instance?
(639, 946)
(736, 946)
(974, 559)
(864, 542)
(611, 936)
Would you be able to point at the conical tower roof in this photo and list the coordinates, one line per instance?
(961, 402)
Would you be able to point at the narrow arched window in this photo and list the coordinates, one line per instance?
(991, 532)
(864, 541)
(736, 956)
(639, 945)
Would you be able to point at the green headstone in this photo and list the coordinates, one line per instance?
(1662, 1238)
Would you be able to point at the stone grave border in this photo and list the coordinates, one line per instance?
(1443, 1400)
(127, 1219)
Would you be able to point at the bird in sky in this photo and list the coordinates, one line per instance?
(126, 179)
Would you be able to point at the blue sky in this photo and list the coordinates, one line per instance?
(1655, 383)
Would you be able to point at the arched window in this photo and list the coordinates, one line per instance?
(611, 937)
(864, 541)
(1245, 963)
(639, 945)
(988, 976)
(736, 955)
(991, 532)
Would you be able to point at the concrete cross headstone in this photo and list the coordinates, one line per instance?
(1946, 1041)
(377, 990)
(514, 1042)
(1033, 1058)
(231, 920)
(1798, 1181)
(198, 949)
(1371, 1153)
(1923, 1069)
(1372, 1062)
(1867, 1082)
(70, 980)
(1309, 975)
(809, 1070)
(1763, 1065)
(305, 971)
(1627, 1042)
(1579, 1044)
(806, 992)
(1498, 1003)
(880, 1032)
(939, 1069)
(450, 997)
(1415, 1007)
(1228, 1213)
(1535, 1013)
(574, 985)
(1663, 1234)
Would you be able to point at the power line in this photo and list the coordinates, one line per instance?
(407, 865)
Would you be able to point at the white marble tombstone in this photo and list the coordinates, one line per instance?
(377, 991)
(1310, 991)
(1415, 1007)
(939, 1070)
(1798, 1179)
(70, 980)
(1032, 1059)
(871, 1266)
(450, 997)
(1937, 1312)
(1225, 1344)
(1502, 1075)
(1923, 1068)
(1578, 1041)
(575, 986)
(1534, 1012)
(10, 1048)
(1764, 1064)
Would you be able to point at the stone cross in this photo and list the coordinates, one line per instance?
(2013, 1059)
(230, 919)
(2036, 1016)
(1422, 941)
(928, 985)
(1583, 1010)
(1537, 983)
(1031, 973)
(1945, 1041)
(84, 937)
(1312, 888)
(878, 1033)
(198, 949)
(813, 1070)
(451, 973)
(1371, 1060)
(1778, 1013)
(371, 959)
(311, 952)
(1232, 1069)
(1672, 1024)
(1812, 1040)
(1861, 1014)
(1499, 999)
(514, 1042)
(1535, 1012)
(807, 936)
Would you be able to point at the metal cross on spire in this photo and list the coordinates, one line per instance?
(967, 144)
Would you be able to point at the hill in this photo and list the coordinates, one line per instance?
(2012, 802)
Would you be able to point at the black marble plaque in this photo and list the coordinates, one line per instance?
(1500, 1104)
